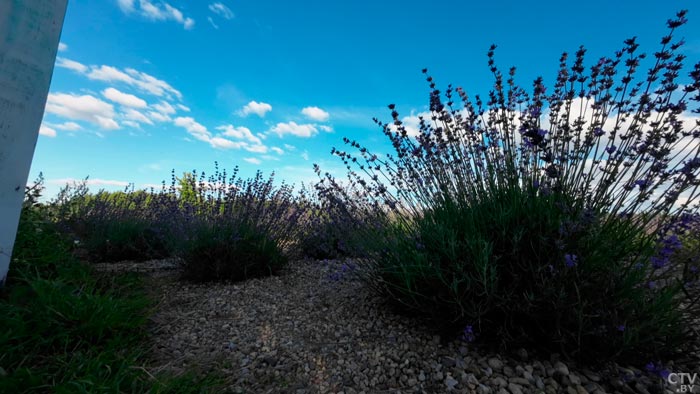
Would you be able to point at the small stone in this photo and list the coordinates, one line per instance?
(450, 383)
(488, 371)
(641, 389)
(575, 380)
(482, 389)
(515, 389)
(519, 381)
(421, 376)
(448, 362)
(590, 375)
(561, 368)
(412, 382)
(508, 371)
(581, 390)
(495, 363)
(499, 381)
(527, 375)
(570, 390)
(616, 382)
(539, 383)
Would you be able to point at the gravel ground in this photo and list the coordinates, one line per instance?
(303, 332)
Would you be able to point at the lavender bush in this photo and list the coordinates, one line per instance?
(541, 220)
(111, 226)
(228, 228)
(222, 227)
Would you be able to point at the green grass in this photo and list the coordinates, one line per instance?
(68, 329)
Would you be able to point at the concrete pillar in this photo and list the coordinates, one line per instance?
(29, 36)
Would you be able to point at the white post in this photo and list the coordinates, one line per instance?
(29, 36)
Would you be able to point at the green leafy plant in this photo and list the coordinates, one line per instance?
(532, 224)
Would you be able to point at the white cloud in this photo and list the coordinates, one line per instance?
(299, 130)
(47, 131)
(277, 150)
(412, 123)
(129, 76)
(131, 123)
(62, 47)
(315, 113)
(136, 116)
(254, 107)
(200, 132)
(126, 5)
(67, 126)
(214, 25)
(71, 65)
(125, 99)
(249, 142)
(305, 155)
(184, 108)
(327, 129)
(255, 148)
(223, 143)
(252, 160)
(290, 147)
(85, 107)
(158, 117)
(221, 10)
(164, 108)
(196, 129)
(241, 133)
(152, 84)
(156, 12)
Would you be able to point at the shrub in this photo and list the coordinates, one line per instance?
(327, 232)
(222, 251)
(112, 226)
(67, 329)
(234, 229)
(532, 224)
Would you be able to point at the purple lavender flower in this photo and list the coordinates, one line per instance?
(611, 149)
(598, 132)
(658, 369)
(621, 327)
(468, 334)
(642, 183)
(571, 260)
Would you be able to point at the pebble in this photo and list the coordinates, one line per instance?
(450, 383)
(495, 363)
(324, 336)
(561, 368)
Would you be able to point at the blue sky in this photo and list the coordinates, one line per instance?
(141, 87)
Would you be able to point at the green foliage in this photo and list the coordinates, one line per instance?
(224, 250)
(527, 223)
(67, 329)
(112, 226)
(501, 267)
